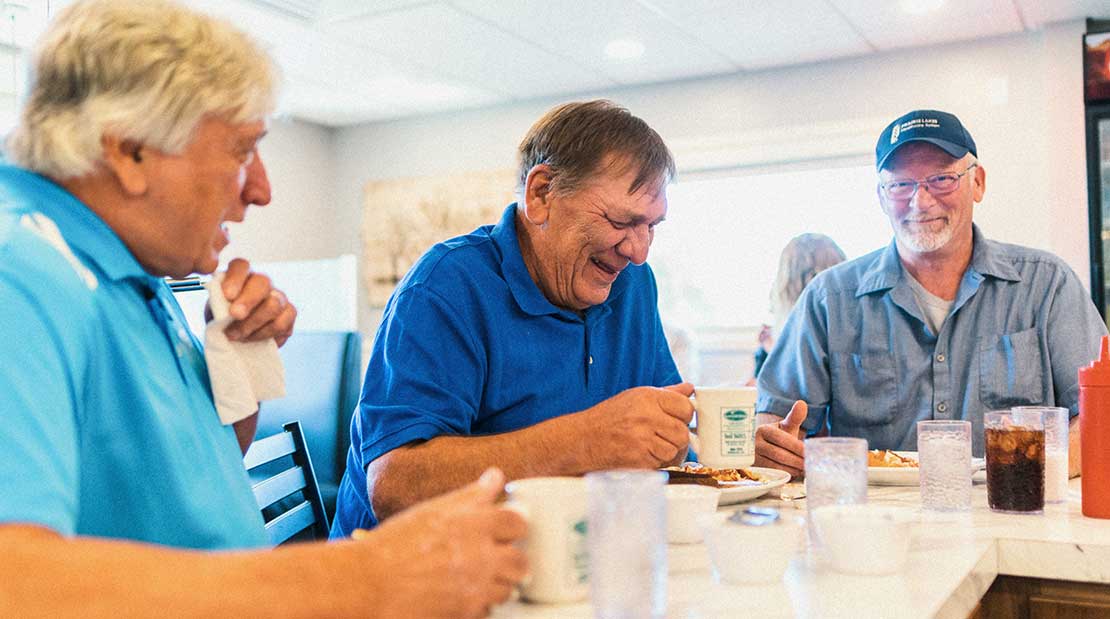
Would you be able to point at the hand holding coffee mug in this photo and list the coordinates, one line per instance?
(555, 509)
(725, 433)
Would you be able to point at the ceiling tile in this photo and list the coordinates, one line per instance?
(336, 10)
(758, 35)
(887, 26)
(458, 45)
(1038, 13)
(579, 31)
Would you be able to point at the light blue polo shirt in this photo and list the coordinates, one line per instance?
(108, 427)
(469, 346)
(858, 350)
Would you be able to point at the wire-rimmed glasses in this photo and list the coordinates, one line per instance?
(938, 184)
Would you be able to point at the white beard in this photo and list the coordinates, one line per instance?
(924, 242)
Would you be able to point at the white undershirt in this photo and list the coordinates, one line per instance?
(933, 307)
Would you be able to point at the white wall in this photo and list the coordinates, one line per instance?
(1021, 97)
(304, 219)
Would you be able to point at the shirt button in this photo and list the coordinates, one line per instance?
(941, 358)
(591, 359)
(942, 407)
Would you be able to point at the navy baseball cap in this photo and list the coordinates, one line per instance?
(938, 128)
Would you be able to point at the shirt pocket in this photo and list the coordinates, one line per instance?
(1010, 369)
(864, 389)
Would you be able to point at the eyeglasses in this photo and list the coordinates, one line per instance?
(938, 184)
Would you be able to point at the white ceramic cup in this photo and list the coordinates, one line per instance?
(685, 504)
(725, 434)
(864, 539)
(558, 559)
(744, 555)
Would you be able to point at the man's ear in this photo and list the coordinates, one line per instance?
(538, 194)
(124, 158)
(980, 183)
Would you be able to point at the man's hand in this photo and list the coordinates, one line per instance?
(643, 427)
(452, 556)
(260, 311)
(778, 444)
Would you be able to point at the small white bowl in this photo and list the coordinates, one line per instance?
(744, 554)
(864, 539)
(685, 503)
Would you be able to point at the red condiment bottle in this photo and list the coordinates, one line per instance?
(1094, 433)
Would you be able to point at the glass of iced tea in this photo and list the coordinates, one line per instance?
(1015, 461)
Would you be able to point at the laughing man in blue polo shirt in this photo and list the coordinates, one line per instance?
(533, 344)
(943, 323)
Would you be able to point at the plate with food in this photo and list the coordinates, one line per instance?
(899, 468)
(737, 485)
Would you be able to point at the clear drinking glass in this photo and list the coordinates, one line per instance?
(836, 473)
(944, 456)
(1056, 421)
(626, 534)
(1015, 461)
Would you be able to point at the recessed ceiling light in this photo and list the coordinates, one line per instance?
(920, 7)
(624, 49)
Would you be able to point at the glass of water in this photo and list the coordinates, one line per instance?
(626, 533)
(836, 473)
(1056, 421)
(944, 454)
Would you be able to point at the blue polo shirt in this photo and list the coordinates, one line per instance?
(108, 429)
(468, 345)
(858, 350)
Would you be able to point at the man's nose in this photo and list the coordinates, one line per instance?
(922, 199)
(256, 187)
(636, 243)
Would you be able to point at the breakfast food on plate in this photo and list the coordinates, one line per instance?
(694, 474)
(886, 457)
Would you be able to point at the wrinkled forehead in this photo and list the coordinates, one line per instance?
(914, 156)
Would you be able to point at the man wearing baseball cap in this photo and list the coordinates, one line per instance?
(943, 323)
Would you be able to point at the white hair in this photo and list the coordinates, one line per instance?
(142, 70)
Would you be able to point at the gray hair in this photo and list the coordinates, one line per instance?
(576, 140)
(143, 70)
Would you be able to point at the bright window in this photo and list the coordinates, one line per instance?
(716, 255)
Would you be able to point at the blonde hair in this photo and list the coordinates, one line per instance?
(143, 70)
(802, 259)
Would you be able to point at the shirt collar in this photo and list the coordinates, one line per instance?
(85, 232)
(986, 259)
(527, 294)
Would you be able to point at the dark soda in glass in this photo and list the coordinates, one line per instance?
(1015, 469)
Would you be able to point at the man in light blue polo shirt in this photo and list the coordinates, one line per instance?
(941, 324)
(534, 344)
(138, 141)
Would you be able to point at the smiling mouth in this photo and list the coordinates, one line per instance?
(604, 267)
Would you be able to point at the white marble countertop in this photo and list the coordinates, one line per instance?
(953, 561)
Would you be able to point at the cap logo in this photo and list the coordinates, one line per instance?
(894, 133)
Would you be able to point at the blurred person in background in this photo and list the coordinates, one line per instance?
(139, 140)
(801, 260)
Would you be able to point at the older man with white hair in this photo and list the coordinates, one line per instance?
(138, 142)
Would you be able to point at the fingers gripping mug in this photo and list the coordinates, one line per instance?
(725, 434)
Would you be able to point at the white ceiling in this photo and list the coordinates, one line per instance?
(352, 61)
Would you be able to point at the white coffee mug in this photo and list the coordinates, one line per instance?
(725, 434)
(558, 559)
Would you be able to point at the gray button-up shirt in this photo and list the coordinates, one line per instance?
(857, 349)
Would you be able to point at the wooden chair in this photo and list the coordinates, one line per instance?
(286, 492)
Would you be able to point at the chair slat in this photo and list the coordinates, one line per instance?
(268, 449)
(273, 489)
(290, 523)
